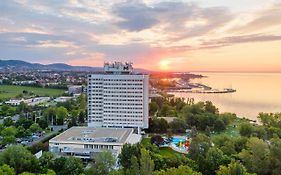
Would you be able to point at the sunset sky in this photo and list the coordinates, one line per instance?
(198, 35)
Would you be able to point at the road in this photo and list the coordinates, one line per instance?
(56, 129)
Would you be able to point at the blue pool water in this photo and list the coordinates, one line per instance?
(176, 140)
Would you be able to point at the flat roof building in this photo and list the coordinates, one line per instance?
(118, 97)
(85, 142)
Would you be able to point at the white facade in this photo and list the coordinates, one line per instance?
(84, 142)
(118, 98)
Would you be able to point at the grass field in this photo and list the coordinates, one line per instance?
(11, 91)
(164, 151)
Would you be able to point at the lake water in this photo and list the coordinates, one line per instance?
(256, 92)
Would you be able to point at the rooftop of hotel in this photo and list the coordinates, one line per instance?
(118, 68)
(90, 134)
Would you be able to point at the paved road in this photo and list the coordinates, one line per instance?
(56, 129)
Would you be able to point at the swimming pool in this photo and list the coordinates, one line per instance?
(177, 140)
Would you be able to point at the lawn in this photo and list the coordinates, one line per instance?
(164, 151)
(168, 152)
(11, 91)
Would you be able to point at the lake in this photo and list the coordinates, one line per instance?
(255, 92)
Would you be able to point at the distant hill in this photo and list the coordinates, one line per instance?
(18, 65)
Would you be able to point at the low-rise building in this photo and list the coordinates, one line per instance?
(30, 101)
(14, 102)
(84, 142)
(62, 99)
(75, 89)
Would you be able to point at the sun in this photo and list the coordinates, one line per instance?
(164, 64)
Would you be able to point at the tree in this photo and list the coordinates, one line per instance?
(198, 150)
(275, 156)
(234, 168)
(157, 140)
(82, 101)
(146, 163)
(214, 159)
(104, 164)
(20, 132)
(35, 128)
(22, 121)
(72, 166)
(177, 126)
(7, 170)
(19, 158)
(256, 156)
(46, 160)
(9, 135)
(81, 117)
(8, 122)
(27, 173)
(199, 146)
(181, 170)
(209, 107)
(61, 113)
(58, 164)
(135, 168)
(127, 152)
(246, 129)
(43, 123)
(153, 108)
(219, 125)
(50, 115)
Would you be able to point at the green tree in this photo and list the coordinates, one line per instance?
(219, 125)
(104, 164)
(35, 128)
(26, 123)
(153, 108)
(20, 159)
(199, 147)
(198, 150)
(46, 160)
(43, 123)
(49, 172)
(256, 156)
(181, 170)
(275, 156)
(146, 163)
(58, 164)
(214, 159)
(127, 152)
(20, 132)
(177, 126)
(27, 173)
(50, 115)
(7, 170)
(8, 122)
(72, 166)
(9, 135)
(209, 107)
(62, 114)
(135, 168)
(82, 116)
(82, 101)
(234, 168)
(246, 129)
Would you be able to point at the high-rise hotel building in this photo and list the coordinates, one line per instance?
(118, 97)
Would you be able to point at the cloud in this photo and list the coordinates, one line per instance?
(222, 42)
(261, 20)
(136, 30)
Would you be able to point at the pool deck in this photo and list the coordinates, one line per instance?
(175, 148)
